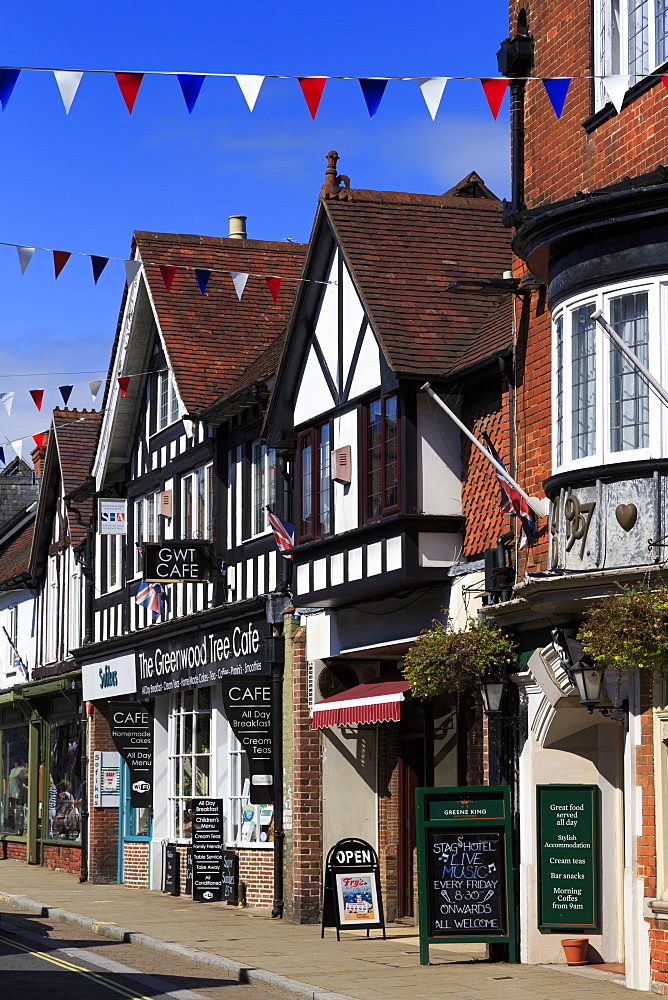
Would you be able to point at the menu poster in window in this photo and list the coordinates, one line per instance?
(466, 884)
(248, 710)
(131, 726)
(207, 833)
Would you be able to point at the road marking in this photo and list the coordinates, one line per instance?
(70, 967)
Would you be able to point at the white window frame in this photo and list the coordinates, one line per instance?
(201, 518)
(611, 42)
(114, 580)
(50, 619)
(167, 403)
(262, 489)
(657, 301)
(12, 626)
(238, 828)
(178, 754)
(143, 520)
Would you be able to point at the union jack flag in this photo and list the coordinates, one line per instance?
(18, 662)
(512, 502)
(150, 596)
(284, 534)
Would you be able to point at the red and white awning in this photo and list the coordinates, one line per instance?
(379, 701)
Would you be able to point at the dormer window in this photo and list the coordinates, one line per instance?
(167, 401)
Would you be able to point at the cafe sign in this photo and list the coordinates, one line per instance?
(201, 658)
(568, 865)
(175, 562)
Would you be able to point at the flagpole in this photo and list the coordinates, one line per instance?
(535, 503)
(597, 316)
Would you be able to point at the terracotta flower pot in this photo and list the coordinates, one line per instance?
(575, 950)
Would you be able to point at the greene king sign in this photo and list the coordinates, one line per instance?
(198, 659)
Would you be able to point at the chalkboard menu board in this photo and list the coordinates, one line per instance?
(171, 881)
(189, 871)
(568, 867)
(465, 867)
(230, 876)
(207, 850)
(466, 885)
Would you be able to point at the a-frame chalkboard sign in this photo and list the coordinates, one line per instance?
(352, 896)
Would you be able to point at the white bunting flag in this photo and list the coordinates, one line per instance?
(68, 83)
(18, 447)
(7, 398)
(616, 87)
(239, 279)
(250, 88)
(94, 389)
(432, 88)
(25, 256)
(132, 269)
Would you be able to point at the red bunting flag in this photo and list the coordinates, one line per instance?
(495, 91)
(129, 84)
(312, 88)
(41, 439)
(60, 259)
(37, 397)
(123, 383)
(167, 271)
(273, 284)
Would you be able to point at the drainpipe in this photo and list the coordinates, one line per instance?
(515, 59)
(83, 877)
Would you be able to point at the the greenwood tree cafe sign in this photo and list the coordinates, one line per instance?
(200, 658)
(171, 562)
(464, 866)
(568, 868)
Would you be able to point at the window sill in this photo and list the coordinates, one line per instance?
(632, 94)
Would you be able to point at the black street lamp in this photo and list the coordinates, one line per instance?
(492, 690)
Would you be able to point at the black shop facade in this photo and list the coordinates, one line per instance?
(208, 691)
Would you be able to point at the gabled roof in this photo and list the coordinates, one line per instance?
(67, 460)
(403, 251)
(211, 339)
(15, 541)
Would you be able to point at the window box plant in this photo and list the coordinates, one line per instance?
(628, 629)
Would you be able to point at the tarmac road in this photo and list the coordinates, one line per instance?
(45, 959)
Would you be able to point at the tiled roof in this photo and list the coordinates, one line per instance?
(494, 335)
(14, 554)
(211, 339)
(263, 368)
(76, 434)
(403, 251)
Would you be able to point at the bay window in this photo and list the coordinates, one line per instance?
(314, 495)
(381, 457)
(631, 39)
(603, 409)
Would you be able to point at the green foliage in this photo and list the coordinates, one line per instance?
(628, 629)
(444, 661)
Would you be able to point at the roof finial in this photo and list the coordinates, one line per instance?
(332, 188)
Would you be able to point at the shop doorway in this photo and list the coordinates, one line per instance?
(410, 777)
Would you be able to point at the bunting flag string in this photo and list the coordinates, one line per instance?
(312, 87)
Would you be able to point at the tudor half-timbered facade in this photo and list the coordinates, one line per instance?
(377, 504)
(172, 639)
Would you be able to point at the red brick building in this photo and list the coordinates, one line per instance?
(589, 218)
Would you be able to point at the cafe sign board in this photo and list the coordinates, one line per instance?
(464, 850)
(568, 865)
(200, 658)
(174, 562)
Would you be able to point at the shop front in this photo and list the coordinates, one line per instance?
(43, 792)
(209, 692)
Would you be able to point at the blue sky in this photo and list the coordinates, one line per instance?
(84, 182)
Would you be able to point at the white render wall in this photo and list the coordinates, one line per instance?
(439, 460)
(25, 602)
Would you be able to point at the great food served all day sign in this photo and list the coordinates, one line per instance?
(568, 878)
(200, 658)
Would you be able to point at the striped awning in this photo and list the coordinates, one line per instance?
(379, 701)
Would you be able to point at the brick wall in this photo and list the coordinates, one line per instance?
(485, 411)
(135, 864)
(14, 849)
(62, 859)
(561, 158)
(256, 869)
(102, 823)
(303, 782)
(388, 817)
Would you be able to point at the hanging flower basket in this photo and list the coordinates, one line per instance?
(445, 661)
(628, 629)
